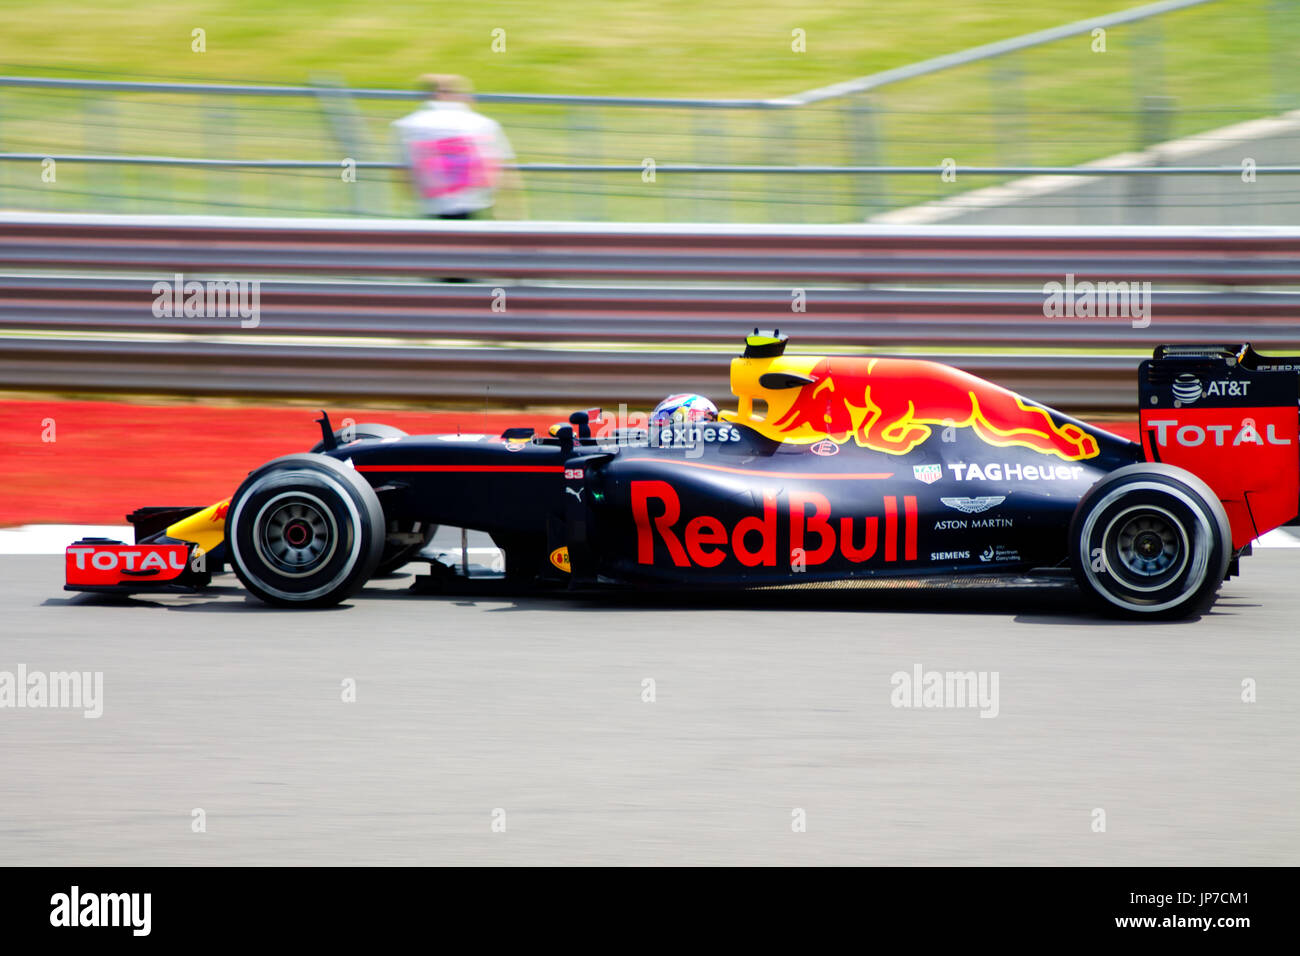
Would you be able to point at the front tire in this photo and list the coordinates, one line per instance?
(304, 531)
(395, 556)
(1150, 541)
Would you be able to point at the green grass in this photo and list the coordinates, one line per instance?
(633, 47)
(1060, 104)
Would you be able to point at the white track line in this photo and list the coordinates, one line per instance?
(1280, 538)
(53, 538)
(1031, 187)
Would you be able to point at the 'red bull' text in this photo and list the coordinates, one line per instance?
(814, 533)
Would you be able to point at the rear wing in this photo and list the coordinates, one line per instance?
(1232, 417)
(1242, 356)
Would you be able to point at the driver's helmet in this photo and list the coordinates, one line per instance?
(683, 409)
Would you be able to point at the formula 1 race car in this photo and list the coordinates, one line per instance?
(856, 472)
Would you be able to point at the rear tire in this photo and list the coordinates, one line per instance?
(304, 531)
(1150, 541)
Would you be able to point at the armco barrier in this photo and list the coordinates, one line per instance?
(576, 312)
(803, 254)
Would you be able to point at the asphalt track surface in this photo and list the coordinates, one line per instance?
(534, 706)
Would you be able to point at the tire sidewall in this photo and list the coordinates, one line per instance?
(354, 518)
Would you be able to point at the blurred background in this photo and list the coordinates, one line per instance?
(256, 111)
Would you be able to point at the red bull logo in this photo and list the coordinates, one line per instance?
(815, 535)
(893, 405)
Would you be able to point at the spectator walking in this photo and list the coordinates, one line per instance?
(455, 155)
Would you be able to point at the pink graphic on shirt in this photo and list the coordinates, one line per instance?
(450, 165)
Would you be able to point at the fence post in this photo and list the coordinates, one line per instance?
(1153, 129)
(1153, 121)
(710, 147)
(346, 127)
(571, 125)
(103, 140)
(4, 173)
(722, 149)
(868, 190)
(219, 126)
(778, 151)
(589, 127)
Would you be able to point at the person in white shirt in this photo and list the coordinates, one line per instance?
(454, 154)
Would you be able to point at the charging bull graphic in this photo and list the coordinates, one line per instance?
(892, 405)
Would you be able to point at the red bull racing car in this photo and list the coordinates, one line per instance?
(831, 473)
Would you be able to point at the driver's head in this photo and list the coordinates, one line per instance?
(684, 409)
(447, 87)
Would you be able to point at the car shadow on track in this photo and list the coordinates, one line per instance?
(219, 599)
(1058, 603)
(1053, 605)
(1030, 603)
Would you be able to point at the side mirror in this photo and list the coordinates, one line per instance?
(582, 421)
(775, 381)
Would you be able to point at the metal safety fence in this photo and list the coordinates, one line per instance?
(557, 313)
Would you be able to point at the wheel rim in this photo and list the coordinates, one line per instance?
(1174, 584)
(1148, 547)
(295, 533)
